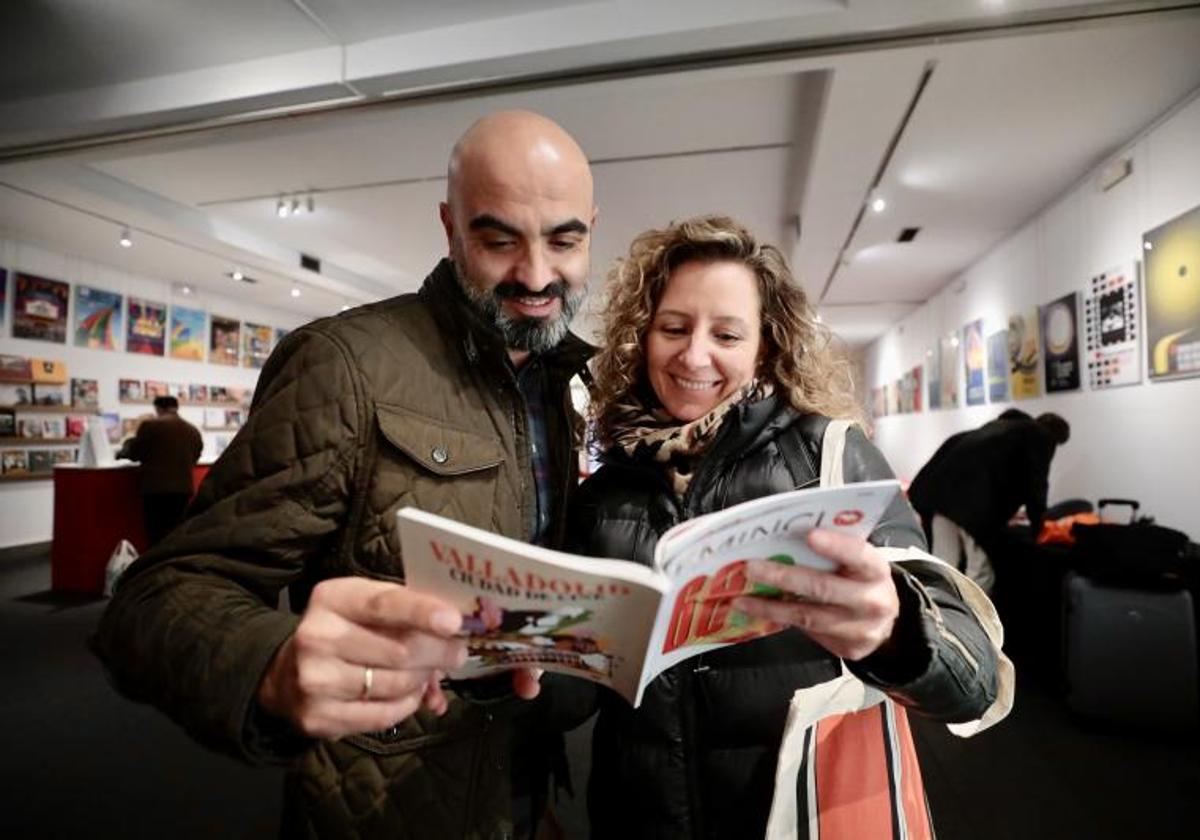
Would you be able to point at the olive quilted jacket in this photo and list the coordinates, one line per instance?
(410, 401)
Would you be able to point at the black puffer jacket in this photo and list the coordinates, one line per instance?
(698, 758)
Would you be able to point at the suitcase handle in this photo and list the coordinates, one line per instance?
(1129, 503)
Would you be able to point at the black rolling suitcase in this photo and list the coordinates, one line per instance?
(1129, 627)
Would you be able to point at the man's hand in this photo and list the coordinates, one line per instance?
(318, 678)
(850, 611)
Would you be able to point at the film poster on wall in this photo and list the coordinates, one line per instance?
(918, 388)
(256, 345)
(225, 336)
(974, 361)
(891, 395)
(1060, 342)
(40, 308)
(187, 333)
(1110, 327)
(1024, 355)
(934, 380)
(878, 402)
(1172, 265)
(948, 350)
(905, 386)
(97, 318)
(147, 327)
(997, 366)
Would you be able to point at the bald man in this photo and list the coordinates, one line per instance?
(455, 400)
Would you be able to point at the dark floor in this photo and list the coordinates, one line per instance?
(78, 761)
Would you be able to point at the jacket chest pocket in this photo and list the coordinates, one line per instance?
(427, 464)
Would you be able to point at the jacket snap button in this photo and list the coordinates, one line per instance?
(439, 455)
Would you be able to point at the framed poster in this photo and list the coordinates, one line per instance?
(280, 334)
(974, 360)
(40, 308)
(948, 350)
(906, 385)
(147, 327)
(1111, 320)
(997, 366)
(187, 333)
(934, 380)
(97, 318)
(256, 345)
(224, 338)
(3, 297)
(1060, 342)
(878, 402)
(1173, 297)
(1024, 355)
(918, 387)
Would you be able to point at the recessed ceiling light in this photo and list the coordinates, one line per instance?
(187, 290)
(295, 292)
(126, 240)
(237, 275)
(878, 204)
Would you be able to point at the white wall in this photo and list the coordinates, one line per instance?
(26, 508)
(1135, 442)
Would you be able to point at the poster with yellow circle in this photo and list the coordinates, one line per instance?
(1173, 297)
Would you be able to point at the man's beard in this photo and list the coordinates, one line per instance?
(531, 335)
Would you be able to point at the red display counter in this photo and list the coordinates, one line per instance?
(94, 509)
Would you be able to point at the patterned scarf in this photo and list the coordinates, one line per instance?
(655, 434)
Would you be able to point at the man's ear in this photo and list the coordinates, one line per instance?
(447, 225)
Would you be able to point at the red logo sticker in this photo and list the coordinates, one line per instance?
(847, 517)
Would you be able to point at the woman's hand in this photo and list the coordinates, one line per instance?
(849, 611)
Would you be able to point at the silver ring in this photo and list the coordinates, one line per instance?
(368, 679)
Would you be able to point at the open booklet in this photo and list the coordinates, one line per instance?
(617, 622)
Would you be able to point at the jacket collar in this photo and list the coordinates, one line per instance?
(479, 341)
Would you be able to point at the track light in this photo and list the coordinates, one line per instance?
(287, 206)
(126, 241)
(237, 275)
(878, 204)
(295, 291)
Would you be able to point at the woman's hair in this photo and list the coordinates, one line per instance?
(797, 354)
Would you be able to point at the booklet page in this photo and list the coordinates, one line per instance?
(705, 560)
(524, 605)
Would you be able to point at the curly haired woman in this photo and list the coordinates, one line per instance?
(717, 385)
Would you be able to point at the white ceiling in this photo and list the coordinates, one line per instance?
(1009, 119)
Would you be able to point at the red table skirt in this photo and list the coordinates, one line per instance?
(94, 509)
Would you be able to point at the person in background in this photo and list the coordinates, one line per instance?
(454, 400)
(976, 482)
(716, 385)
(167, 447)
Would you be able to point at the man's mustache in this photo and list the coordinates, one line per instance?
(513, 289)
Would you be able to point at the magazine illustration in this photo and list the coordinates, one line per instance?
(614, 621)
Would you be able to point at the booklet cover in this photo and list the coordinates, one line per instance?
(615, 621)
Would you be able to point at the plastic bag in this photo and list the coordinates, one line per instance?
(123, 555)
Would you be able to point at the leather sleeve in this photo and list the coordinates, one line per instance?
(942, 664)
(193, 624)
